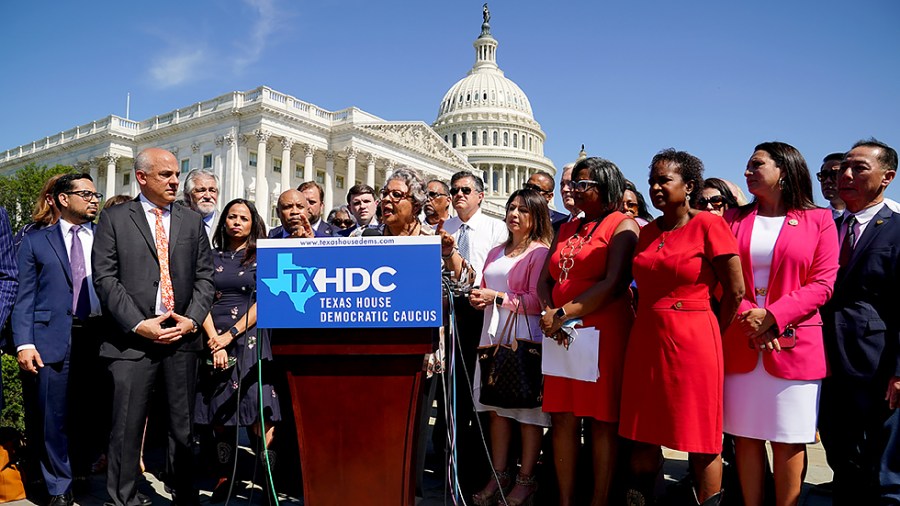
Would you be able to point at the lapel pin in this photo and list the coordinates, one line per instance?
(792, 222)
(879, 222)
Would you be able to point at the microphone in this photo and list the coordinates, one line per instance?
(370, 232)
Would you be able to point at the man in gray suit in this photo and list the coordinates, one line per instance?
(153, 273)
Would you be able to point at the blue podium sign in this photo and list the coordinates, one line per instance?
(363, 282)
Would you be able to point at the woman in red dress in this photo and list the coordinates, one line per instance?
(672, 386)
(587, 277)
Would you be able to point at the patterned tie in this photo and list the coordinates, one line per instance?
(81, 301)
(463, 242)
(849, 242)
(162, 253)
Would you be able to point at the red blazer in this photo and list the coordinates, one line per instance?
(804, 268)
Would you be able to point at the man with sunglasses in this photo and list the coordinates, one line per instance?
(56, 336)
(475, 235)
(437, 205)
(542, 183)
(827, 177)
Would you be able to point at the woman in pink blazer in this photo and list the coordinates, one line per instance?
(774, 354)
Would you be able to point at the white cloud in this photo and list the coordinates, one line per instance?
(263, 27)
(175, 69)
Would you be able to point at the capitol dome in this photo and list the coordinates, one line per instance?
(486, 116)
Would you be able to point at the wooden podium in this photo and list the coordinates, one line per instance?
(356, 395)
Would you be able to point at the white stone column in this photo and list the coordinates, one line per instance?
(388, 169)
(262, 184)
(490, 181)
(230, 180)
(329, 183)
(351, 169)
(133, 184)
(370, 170)
(110, 160)
(218, 161)
(518, 182)
(309, 173)
(505, 190)
(286, 169)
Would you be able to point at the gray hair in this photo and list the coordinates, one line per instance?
(414, 181)
(341, 209)
(189, 182)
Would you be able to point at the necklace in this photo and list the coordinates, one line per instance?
(572, 248)
(665, 233)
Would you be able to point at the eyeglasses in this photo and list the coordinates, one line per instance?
(822, 175)
(465, 189)
(536, 188)
(434, 195)
(583, 185)
(201, 191)
(87, 195)
(633, 206)
(717, 202)
(343, 223)
(394, 195)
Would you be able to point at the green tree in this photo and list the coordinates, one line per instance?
(19, 190)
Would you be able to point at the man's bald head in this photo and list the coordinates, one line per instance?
(291, 209)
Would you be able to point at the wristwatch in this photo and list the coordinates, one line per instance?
(498, 299)
(194, 326)
(560, 313)
(234, 332)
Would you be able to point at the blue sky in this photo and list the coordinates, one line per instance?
(625, 78)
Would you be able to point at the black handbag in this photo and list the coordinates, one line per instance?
(511, 374)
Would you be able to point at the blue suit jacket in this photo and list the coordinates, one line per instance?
(862, 319)
(42, 315)
(328, 230)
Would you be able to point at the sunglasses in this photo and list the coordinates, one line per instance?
(465, 189)
(394, 195)
(716, 201)
(536, 188)
(824, 175)
(434, 195)
(343, 223)
(583, 185)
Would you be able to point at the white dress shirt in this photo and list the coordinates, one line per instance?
(151, 220)
(485, 233)
(863, 218)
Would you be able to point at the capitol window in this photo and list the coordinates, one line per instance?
(515, 140)
(252, 159)
(474, 138)
(454, 140)
(298, 171)
(464, 136)
(276, 165)
(126, 179)
(339, 181)
(495, 138)
(506, 138)
(185, 166)
(207, 161)
(484, 138)
(320, 177)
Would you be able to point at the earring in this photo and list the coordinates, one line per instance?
(781, 183)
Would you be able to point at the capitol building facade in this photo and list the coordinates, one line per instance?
(261, 142)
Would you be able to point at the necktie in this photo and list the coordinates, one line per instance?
(849, 242)
(81, 302)
(162, 253)
(462, 243)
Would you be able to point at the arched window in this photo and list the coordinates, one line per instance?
(506, 138)
(529, 143)
(515, 140)
(495, 137)
(474, 138)
(464, 136)
(484, 138)
(485, 95)
(446, 139)
(454, 140)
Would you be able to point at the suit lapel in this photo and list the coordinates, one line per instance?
(58, 245)
(783, 241)
(140, 221)
(175, 218)
(872, 230)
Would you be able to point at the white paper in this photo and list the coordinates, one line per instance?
(579, 361)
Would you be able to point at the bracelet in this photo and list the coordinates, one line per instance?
(449, 255)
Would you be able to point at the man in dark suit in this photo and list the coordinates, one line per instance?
(7, 279)
(153, 273)
(291, 208)
(858, 416)
(542, 183)
(52, 332)
(314, 196)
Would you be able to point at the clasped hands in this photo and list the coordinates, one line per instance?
(152, 328)
(758, 324)
(551, 326)
(480, 298)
